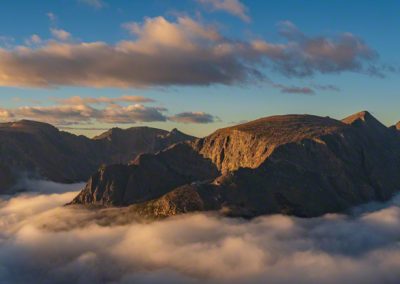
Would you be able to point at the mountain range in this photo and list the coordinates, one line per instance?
(41, 150)
(300, 165)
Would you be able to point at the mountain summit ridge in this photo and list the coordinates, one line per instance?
(301, 165)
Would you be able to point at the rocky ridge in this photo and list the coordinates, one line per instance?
(301, 165)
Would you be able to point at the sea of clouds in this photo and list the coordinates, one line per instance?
(42, 241)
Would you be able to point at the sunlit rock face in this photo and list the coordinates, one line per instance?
(301, 165)
(39, 149)
(396, 127)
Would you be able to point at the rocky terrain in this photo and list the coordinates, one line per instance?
(396, 126)
(301, 165)
(41, 150)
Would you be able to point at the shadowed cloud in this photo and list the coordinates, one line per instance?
(193, 117)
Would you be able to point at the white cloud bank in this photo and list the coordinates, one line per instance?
(41, 242)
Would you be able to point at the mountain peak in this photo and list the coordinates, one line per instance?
(364, 116)
(30, 123)
(28, 126)
(286, 128)
(364, 119)
(132, 131)
(176, 132)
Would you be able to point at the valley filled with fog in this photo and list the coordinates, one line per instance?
(43, 241)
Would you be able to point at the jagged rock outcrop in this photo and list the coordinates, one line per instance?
(295, 164)
(148, 177)
(35, 148)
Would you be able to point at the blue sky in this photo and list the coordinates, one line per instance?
(337, 86)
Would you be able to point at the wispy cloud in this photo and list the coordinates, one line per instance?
(77, 100)
(93, 3)
(33, 39)
(298, 90)
(60, 34)
(6, 41)
(234, 7)
(311, 89)
(328, 87)
(52, 17)
(193, 117)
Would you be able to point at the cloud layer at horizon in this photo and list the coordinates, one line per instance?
(80, 110)
(198, 248)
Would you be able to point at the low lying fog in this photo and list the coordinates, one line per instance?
(43, 242)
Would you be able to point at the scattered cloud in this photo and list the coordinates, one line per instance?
(197, 54)
(304, 90)
(60, 34)
(93, 3)
(77, 100)
(77, 245)
(304, 55)
(293, 89)
(78, 110)
(6, 41)
(78, 114)
(193, 117)
(52, 17)
(298, 90)
(328, 87)
(132, 113)
(33, 39)
(234, 7)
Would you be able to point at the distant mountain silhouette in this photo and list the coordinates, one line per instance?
(301, 165)
(40, 149)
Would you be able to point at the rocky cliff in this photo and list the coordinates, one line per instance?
(148, 177)
(295, 164)
(35, 148)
